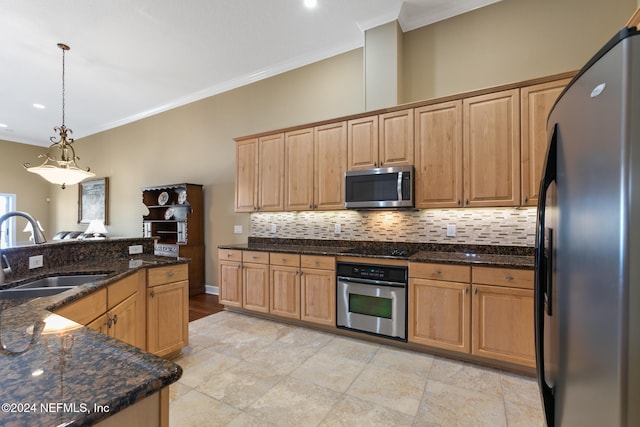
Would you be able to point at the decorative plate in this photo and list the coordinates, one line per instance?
(163, 198)
(182, 197)
(168, 214)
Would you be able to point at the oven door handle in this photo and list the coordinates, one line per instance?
(372, 282)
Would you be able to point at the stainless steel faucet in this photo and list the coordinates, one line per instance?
(38, 238)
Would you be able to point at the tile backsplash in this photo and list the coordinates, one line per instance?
(495, 226)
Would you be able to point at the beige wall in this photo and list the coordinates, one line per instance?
(31, 191)
(509, 41)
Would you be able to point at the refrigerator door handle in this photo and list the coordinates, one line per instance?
(543, 276)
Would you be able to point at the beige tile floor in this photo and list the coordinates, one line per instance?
(244, 371)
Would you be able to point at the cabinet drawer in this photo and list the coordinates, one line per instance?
(229, 255)
(86, 309)
(255, 257)
(171, 273)
(446, 272)
(320, 262)
(278, 258)
(121, 290)
(510, 277)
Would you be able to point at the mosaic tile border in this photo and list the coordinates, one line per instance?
(495, 226)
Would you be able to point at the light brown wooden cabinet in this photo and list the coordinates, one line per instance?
(318, 289)
(315, 161)
(362, 142)
(438, 155)
(440, 306)
(259, 174)
(491, 149)
(255, 281)
(298, 169)
(329, 165)
(296, 286)
(285, 285)
(230, 277)
(502, 310)
(536, 103)
(167, 309)
(383, 140)
(246, 195)
(483, 311)
(117, 310)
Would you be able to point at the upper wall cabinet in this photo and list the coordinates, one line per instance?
(247, 175)
(362, 141)
(536, 104)
(491, 149)
(298, 170)
(315, 162)
(438, 151)
(384, 140)
(329, 165)
(260, 174)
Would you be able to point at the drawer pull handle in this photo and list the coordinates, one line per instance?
(437, 273)
(229, 254)
(508, 278)
(153, 294)
(170, 274)
(466, 290)
(115, 319)
(475, 291)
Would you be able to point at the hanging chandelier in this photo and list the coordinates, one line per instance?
(59, 166)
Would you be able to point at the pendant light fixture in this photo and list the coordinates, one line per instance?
(60, 165)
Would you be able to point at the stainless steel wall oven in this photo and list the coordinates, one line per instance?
(372, 299)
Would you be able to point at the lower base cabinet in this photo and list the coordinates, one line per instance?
(282, 284)
(167, 309)
(152, 411)
(117, 310)
(318, 289)
(483, 311)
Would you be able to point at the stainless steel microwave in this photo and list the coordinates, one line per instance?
(379, 188)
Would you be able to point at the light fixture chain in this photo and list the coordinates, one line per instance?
(63, 103)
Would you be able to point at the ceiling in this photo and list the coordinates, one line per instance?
(130, 59)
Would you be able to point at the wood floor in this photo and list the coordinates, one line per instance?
(203, 305)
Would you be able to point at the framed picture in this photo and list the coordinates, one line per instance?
(93, 201)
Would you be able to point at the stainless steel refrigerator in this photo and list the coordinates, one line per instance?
(587, 290)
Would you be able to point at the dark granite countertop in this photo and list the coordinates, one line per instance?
(79, 376)
(477, 255)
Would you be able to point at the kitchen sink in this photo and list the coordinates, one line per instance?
(61, 281)
(48, 286)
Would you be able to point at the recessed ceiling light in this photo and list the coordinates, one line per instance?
(310, 3)
(39, 106)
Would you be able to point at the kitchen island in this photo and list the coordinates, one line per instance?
(54, 371)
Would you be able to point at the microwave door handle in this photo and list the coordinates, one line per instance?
(399, 186)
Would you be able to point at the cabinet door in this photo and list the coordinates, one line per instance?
(318, 296)
(100, 324)
(284, 295)
(298, 150)
(396, 139)
(330, 164)
(247, 175)
(123, 322)
(230, 283)
(167, 318)
(271, 173)
(255, 282)
(438, 152)
(440, 314)
(536, 104)
(491, 149)
(503, 324)
(362, 143)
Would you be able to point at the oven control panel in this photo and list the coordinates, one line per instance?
(373, 272)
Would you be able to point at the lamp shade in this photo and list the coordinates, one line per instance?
(59, 175)
(96, 227)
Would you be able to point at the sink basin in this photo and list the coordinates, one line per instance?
(48, 286)
(61, 281)
(17, 293)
